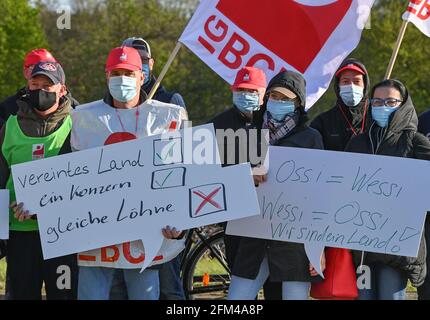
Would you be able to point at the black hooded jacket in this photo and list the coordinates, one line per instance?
(332, 124)
(287, 260)
(401, 139)
(163, 95)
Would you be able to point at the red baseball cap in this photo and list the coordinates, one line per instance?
(124, 58)
(36, 56)
(352, 67)
(250, 78)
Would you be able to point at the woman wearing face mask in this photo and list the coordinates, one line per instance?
(285, 119)
(392, 133)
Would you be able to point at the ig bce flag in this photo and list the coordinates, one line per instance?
(312, 37)
(418, 13)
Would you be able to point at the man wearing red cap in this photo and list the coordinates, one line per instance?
(248, 90)
(124, 114)
(9, 106)
(349, 117)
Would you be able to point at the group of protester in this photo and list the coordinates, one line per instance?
(377, 120)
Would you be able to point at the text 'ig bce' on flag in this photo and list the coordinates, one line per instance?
(418, 13)
(312, 37)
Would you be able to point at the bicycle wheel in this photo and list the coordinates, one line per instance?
(204, 275)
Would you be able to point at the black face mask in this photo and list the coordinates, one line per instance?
(42, 100)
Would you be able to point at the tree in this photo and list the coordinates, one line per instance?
(100, 25)
(20, 32)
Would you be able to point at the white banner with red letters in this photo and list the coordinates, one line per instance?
(312, 37)
(418, 13)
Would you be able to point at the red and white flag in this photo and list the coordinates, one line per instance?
(418, 13)
(312, 37)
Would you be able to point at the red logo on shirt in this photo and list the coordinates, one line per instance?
(38, 151)
(173, 125)
(119, 137)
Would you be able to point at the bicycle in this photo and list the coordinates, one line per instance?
(205, 273)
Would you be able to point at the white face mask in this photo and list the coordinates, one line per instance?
(123, 89)
(382, 115)
(351, 95)
(246, 102)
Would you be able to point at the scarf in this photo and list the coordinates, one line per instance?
(280, 129)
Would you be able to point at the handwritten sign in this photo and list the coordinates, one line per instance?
(4, 214)
(131, 190)
(346, 200)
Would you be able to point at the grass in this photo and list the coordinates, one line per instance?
(209, 266)
(2, 275)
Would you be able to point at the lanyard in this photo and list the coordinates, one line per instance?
(137, 121)
(349, 122)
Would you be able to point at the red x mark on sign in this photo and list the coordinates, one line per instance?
(207, 198)
(209, 194)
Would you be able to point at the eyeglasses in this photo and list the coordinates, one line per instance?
(390, 102)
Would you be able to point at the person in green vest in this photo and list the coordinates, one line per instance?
(41, 129)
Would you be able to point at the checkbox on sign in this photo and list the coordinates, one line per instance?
(207, 199)
(168, 178)
(168, 152)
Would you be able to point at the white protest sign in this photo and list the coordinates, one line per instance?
(131, 190)
(338, 199)
(4, 214)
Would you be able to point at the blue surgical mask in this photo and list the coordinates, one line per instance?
(351, 95)
(382, 115)
(147, 72)
(123, 88)
(280, 109)
(246, 102)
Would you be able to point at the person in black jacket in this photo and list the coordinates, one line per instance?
(9, 106)
(142, 46)
(257, 260)
(393, 133)
(424, 290)
(249, 91)
(349, 117)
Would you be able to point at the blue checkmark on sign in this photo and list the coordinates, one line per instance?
(167, 151)
(168, 178)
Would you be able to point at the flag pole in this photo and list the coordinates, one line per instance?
(396, 49)
(164, 71)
